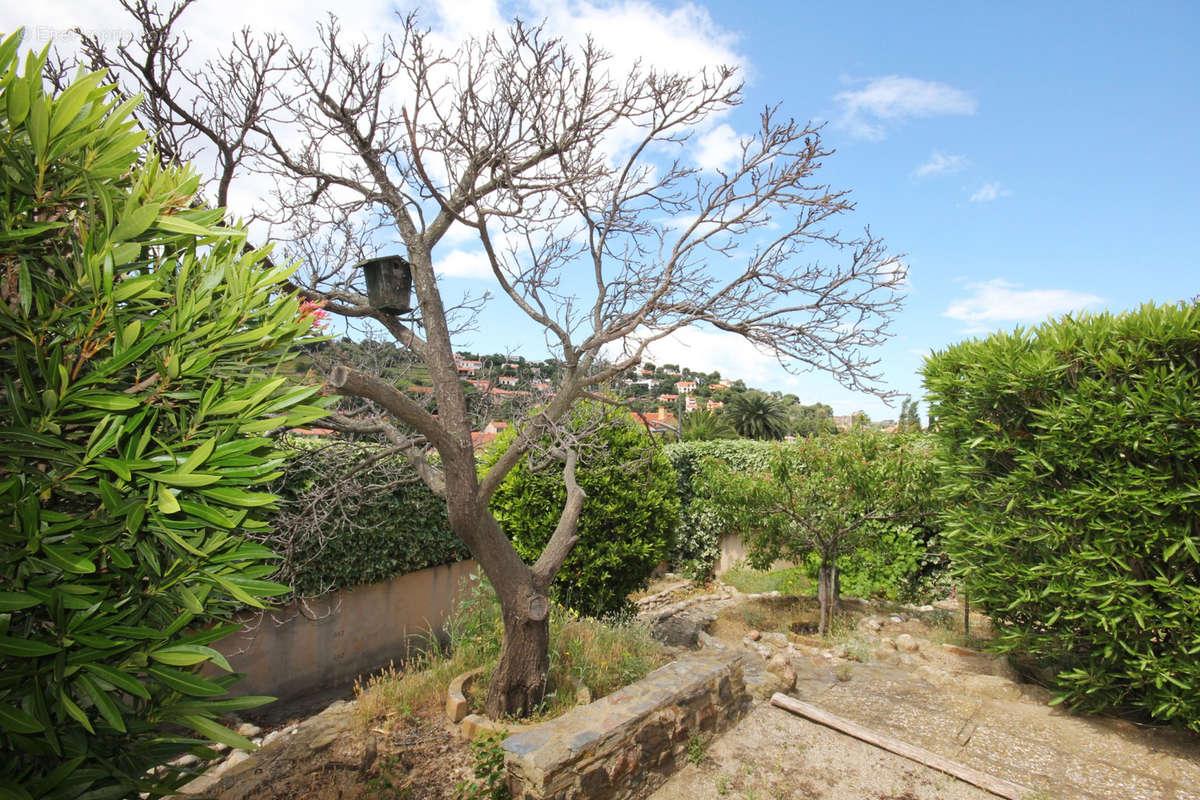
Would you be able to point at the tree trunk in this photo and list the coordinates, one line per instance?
(519, 683)
(828, 594)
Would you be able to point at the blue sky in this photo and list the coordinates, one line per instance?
(1030, 159)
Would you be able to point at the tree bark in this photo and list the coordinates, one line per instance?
(828, 594)
(519, 683)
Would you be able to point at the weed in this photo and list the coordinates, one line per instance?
(791, 582)
(696, 747)
(722, 783)
(388, 784)
(491, 779)
(842, 673)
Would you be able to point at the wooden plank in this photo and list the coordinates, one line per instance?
(997, 786)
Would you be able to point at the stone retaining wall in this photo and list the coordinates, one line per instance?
(626, 744)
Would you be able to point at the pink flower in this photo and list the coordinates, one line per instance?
(316, 310)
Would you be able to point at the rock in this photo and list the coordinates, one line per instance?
(270, 737)
(907, 644)
(887, 655)
(775, 639)
(754, 636)
(185, 760)
(249, 730)
(959, 651)
(897, 619)
(839, 651)
(871, 624)
(220, 747)
(925, 609)
(713, 642)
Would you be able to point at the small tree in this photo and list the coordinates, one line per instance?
(823, 495)
(520, 140)
(139, 346)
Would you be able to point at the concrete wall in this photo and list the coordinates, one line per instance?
(733, 551)
(628, 743)
(306, 648)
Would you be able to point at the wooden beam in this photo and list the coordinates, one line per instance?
(997, 786)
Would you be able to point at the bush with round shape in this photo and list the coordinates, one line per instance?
(628, 521)
(138, 354)
(1070, 460)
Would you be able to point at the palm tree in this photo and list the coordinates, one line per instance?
(756, 415)
(703, 425)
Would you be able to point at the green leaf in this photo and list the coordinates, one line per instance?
(134, 224)
(107, 401)
(68, 561)
(130, 288)
(215, 731)
(167, 503)
(15, 601)
(185, 655)
(104, 704)
(26, 648)
(185, 682)
(185, 479)
(121, 680)
(198, 456)
(76, 712)
(17, 721)
(237, 497)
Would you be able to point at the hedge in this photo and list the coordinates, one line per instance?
(1070, 456)
(698, 540)
(341, 525)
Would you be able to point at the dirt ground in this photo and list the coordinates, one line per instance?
(953, 701)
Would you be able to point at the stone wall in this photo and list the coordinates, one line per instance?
(626, 744)
(321, 644)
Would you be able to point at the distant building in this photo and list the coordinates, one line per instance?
(509, 380)
(661, 421)
(467, 367)
(686, 387)
(713, 405)
(690, 403)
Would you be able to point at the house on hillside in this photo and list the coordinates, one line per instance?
(661, 421)
(686, 387)
(713, 405)
(467, 366)
(690, 403)
(508, 380)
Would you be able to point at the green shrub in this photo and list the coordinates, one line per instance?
(701, 526)
(137, 350)
(628, 521)
(1070, 456)
(341, 524)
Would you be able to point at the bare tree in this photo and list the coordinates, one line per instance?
(575, 179)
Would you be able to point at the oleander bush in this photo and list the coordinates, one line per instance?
(138, 356)
(628, 521)
(1070, 458)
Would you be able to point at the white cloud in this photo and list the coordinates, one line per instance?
(989, 192)
(719, 148)
(940, 163)
(895, 97)
(709, 350)
(999, 301)
(471, 264)
(684, 39)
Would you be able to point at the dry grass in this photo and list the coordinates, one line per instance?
(584, 651)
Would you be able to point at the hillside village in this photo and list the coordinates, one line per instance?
(662, 397)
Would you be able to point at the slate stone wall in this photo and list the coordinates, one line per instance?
(626, 744)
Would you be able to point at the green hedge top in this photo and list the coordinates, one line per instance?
(1070, 455)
